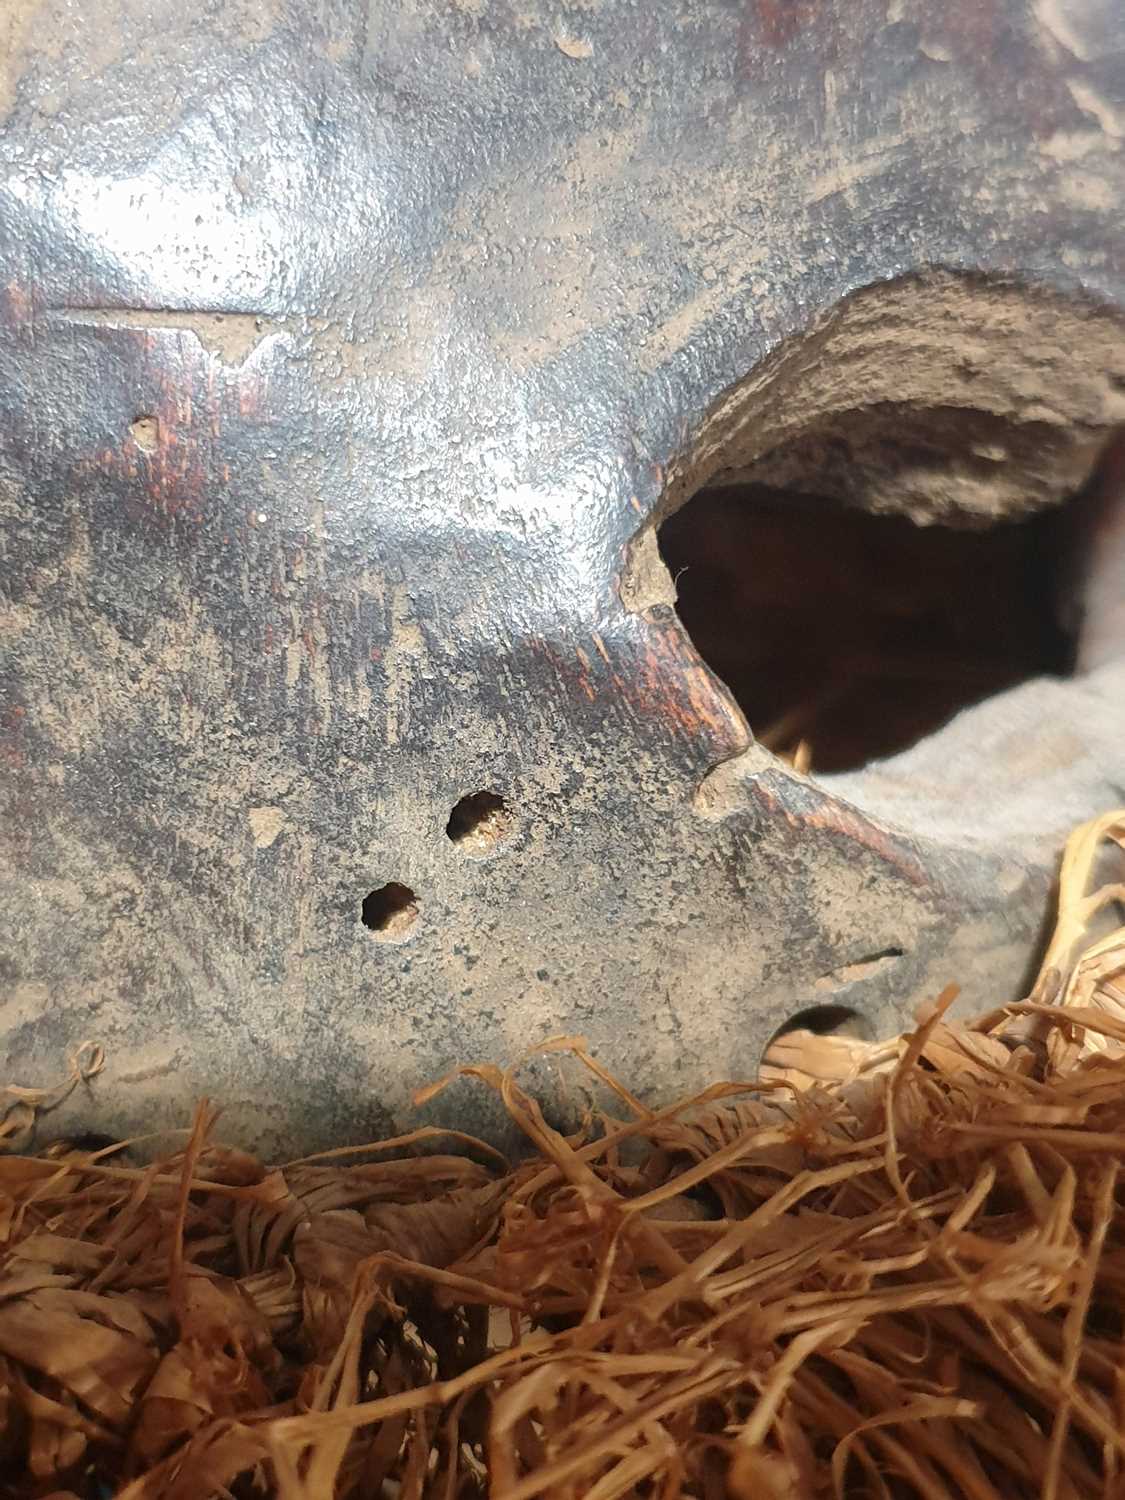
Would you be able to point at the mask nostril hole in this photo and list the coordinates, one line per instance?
(391, 912)
(479, 822)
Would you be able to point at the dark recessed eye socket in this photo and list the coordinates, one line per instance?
(846, 637)
(884, 537)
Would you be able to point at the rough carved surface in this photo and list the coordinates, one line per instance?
(348, 355)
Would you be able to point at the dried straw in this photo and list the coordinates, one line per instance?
(905, 1278)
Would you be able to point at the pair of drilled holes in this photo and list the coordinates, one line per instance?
(477, 825)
